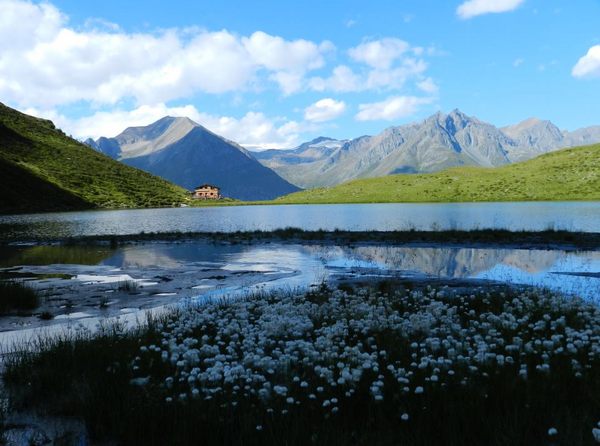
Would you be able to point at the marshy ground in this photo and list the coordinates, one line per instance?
(330, 339)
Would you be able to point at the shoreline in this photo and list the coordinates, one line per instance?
(110, 291)
(229, 202)
(75, 293)
(479, 238)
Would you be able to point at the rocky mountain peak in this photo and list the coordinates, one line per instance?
(184, 152)
(320, 139)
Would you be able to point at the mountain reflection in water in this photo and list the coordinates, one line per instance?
(316, 262)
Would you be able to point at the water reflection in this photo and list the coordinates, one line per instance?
(167, 255)
(553, 269)
(576, 216)
(456, 263)
(47, 255)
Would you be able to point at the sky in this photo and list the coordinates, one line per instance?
(273, 74)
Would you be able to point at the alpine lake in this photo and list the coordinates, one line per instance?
(82, 284)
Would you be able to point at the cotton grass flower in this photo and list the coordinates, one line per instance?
(287, 350)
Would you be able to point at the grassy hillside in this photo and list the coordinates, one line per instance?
(43, 169)
(570, 174)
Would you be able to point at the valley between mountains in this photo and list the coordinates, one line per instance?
(186, 153)
(444, 158)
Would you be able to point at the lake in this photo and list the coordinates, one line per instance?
(569, 272)
(167, 273)
(535, 216)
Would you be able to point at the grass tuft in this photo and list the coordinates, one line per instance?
(17, 297)
(127, 286)
(46, 316)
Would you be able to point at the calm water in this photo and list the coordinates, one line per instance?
(573, 273)
(576, 273)
(575, 216)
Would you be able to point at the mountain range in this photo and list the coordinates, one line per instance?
(561, 175)
(184, 152)
(431, 145)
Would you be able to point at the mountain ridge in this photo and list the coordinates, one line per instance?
(433, 144)
(186, 153)
(562, 175)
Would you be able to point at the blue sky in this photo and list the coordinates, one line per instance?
(274, 74)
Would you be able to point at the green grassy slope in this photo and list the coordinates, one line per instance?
(570, 174)
(43, 169)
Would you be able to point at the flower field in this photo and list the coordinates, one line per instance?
(374, 365)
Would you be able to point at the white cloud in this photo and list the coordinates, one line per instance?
(518, 62)
(392, 108)
(252, 130)
(289, 60)
(589, 65)
(350, 23)
(379, 54)
(395, 78)
(474, 8)
(49, 64)
(435, 51)
(343, 79)
(289, 81)
(428, 86)
(276, 54)
(324, 110)
(24, 24)
(95, 23)
(389, 63)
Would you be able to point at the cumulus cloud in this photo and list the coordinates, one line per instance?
(395, 78)
(254, 129)
(379, 53)
(275, 53)
(391, 108)
(49, 64)
(343, 79)
(324, 110)
(288, 60)
(428, 86)
(390, 63)
(474, 8)
(589, 65)
(289, 81)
